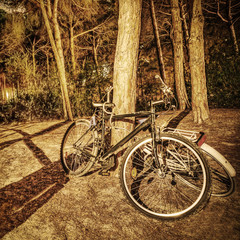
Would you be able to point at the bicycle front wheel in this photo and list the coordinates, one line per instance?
(179, 187)
(78, 148)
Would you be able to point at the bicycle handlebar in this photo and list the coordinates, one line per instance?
(165, 88)
(157, 102)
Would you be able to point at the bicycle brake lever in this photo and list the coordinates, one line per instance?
(165, 87)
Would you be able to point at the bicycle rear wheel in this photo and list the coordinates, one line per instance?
(78, 148)
(180, 189)
(223, 184)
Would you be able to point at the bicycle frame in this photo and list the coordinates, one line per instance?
(107, 114)
(142, 126)
(148, 123)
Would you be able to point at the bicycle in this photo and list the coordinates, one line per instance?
(164, 175)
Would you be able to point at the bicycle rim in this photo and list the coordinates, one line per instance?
(78, 148)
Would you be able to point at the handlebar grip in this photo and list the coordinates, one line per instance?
(157, 102)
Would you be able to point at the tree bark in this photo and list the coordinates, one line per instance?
(58, 54)
(72, 49)
(178, 55)
(231, 26)
(197, 65)
(126, 60)
(34, 60)
(158, 42)
(184, 19)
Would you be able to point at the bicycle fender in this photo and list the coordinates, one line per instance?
(219, 157)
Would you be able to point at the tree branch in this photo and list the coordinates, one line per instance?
(93, 29)
(219, 14)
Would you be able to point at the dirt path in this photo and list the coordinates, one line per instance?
(38, 201)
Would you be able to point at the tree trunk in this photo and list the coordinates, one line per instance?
(197, 65)
(159, 48)
(184, 19)
(58, 54)
(72, 48)
(232, 29)
(126, 60)
(178, 55)
(34, 61)
(3, 85)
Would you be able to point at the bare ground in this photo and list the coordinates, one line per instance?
(38, 201)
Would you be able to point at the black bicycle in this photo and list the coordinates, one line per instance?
(164, 175)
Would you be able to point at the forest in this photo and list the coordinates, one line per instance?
(56, 57)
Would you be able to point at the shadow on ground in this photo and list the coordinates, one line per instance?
(19, 200)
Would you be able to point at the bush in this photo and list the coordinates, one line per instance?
(29, 106)
(223, 79)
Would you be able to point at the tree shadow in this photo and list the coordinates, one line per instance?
(29, 136)
(176, 120)
(19, 200)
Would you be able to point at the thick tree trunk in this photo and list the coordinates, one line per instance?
(126, 59)
(178, 55)
(61, 64)
(58, 54)
(197, 65)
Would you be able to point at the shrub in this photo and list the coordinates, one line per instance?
(223, 79)
(29, 106)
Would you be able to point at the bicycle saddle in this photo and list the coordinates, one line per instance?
(106, 104)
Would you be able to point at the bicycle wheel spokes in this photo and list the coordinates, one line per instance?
(183, 163)
(78, 148)
(173, 191)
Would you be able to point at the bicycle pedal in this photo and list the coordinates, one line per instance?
(110, 164)
(104, 173)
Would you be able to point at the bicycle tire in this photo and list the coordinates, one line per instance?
(185, 188)
(77, 160)
(223, 184)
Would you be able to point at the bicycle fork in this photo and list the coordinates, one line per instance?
(158, 159)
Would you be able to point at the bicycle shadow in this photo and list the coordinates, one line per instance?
(19, 200)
